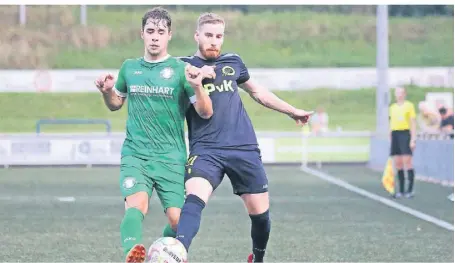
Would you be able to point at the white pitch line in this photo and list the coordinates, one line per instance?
(66, 199)
(380, 199)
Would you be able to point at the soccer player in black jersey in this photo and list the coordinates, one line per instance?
(226, 143)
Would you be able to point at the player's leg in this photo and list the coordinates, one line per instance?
(396, 153)
(257, 206)
(173, 217)
(169, 186)
(136, 189)
(203, 175)
(399, 166)
(249, 181)
(407, 163)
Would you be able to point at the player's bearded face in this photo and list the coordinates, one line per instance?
(156, 36)
(210, 38)
(209, 51)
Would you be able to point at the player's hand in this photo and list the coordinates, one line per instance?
(208, 72)
(301, 117)
(412, 145)
(105, 82)
(194, 76)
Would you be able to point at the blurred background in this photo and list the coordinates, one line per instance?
(341, 61)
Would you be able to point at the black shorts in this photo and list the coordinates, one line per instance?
(243, 167)
(400, 143)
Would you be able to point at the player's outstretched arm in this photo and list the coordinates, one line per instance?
(203, 104)
(105, 84)
(271, 101)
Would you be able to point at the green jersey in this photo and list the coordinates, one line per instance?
(158, 97)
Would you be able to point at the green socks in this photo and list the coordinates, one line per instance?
(131, 229)
(168, 231)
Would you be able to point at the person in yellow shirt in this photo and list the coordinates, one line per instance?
(402, 117)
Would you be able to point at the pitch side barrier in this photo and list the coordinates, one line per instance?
(433, 157)
(89, 149)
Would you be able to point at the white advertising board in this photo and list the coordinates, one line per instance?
(274, 79)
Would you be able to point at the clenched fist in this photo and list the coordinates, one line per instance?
(105, 82)
(194, 76)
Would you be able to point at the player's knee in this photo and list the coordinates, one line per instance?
(261, 221)
(256, 203)
(199, 187)
(408, 165)
(398, 161)
(408, 162)
(139, 201)
(173, 216)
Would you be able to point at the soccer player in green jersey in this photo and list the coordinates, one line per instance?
(159, 89)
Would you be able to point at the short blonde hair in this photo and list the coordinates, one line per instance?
(209, 18)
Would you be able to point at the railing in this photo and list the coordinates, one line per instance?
(41, 122)
(433, 157)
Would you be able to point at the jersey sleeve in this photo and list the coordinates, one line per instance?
(120, 86)
(244, 74)
(189, 91)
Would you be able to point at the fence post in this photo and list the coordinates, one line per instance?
(83, 15)
(382, 65)
(22, 15)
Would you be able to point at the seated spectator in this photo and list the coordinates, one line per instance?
(446, 125)
(441, 104)
(428, 120)
(319, 121)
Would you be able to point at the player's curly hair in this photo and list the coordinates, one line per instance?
(159, 14)
(209, 18)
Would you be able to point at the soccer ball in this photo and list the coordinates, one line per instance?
(167, 250)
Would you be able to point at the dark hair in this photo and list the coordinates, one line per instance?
(157, 13)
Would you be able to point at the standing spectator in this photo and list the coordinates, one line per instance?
(403, 139)
(320, 121)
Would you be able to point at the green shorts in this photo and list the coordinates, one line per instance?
(138, 175)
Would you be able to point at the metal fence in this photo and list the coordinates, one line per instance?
(433, 158)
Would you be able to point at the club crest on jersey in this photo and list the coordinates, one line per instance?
(167, 73)
(228, 71)
(129, 182)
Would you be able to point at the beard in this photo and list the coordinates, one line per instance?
(211, 53)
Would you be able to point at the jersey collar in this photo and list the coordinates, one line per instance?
(157, 61)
